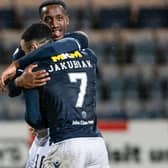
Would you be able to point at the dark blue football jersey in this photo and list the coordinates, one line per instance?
(67, 103)
(67, 44)
(72, 41)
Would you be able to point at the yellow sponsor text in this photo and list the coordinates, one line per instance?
(60, 57)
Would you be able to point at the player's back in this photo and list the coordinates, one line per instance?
(68, 101)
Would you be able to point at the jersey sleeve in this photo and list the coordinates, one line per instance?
(80, 36)
(33, 115)
(54, 48)
(18, 53)
(13, 90)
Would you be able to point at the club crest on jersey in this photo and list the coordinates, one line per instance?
(75, 54)
(57, 164)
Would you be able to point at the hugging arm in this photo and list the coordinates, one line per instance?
(73, 41)
(67, 44)
(13, 90)
(54, 48)
(33, 115)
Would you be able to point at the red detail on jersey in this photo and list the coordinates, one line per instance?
(110, 125)
(31, 137)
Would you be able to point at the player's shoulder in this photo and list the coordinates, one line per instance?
(81, 36)
(76, 33)
(81, 33)
(18, 53)
(90, 53)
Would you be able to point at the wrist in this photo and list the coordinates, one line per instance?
(16, 64)
(18, 82)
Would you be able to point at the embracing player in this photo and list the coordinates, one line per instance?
(67, 104)
(76, 120)
(54, 13)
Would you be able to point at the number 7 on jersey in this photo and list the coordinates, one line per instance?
(74, 77)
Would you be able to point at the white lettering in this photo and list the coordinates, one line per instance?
(51, 69)
(57, 68)
(63, 66)
(89, 63)
(70, 65)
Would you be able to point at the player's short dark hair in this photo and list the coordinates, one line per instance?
(37, 31)
(52, 2)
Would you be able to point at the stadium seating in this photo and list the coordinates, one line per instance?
(115, 17)
(130, 39)
(153, 18)
(29, 15)
(7, 19)
(98, 4)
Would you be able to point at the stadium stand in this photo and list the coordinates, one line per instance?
(7, 18)
(115, 17)
(153, 17)
(130, 39)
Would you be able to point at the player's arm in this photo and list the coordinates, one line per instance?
(25, 78)
(13, 90)
(33, 115)
(61, 46)
(80, 36)
(73, 41)
(65, 45)
(31, 78)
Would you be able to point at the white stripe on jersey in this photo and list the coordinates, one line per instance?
(16, 51)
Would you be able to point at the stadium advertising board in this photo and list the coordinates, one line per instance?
(13, 144)
(133, 144)
(137, 144)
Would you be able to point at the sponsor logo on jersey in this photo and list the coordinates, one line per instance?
(75, 54)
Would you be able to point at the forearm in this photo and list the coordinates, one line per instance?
(33, 114)
(13, 88)
(15, 85)
(55, 48)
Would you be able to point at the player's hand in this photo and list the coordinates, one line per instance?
(7, 74)
(30, 79)
(2, 87)
(32, 130)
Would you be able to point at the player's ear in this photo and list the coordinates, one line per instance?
(34, 45)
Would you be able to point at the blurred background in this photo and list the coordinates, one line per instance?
(130, 39)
